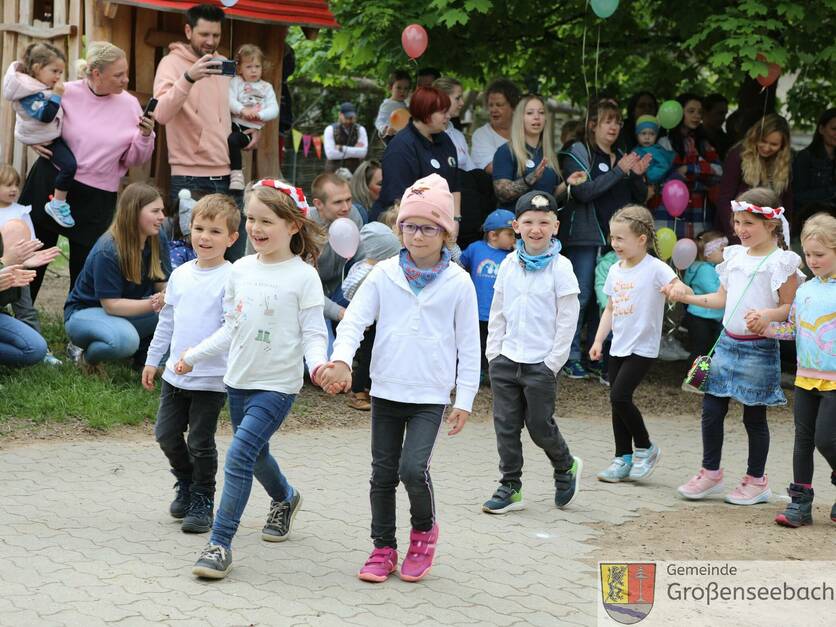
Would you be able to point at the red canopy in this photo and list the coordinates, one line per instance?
(313, 13)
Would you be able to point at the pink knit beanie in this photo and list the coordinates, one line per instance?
(428, 198)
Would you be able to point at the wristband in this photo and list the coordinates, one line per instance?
(188, 78)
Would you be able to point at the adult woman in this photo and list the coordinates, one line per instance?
(420, 149)
(613, 179)
(641, 103)
(762, 159)
(814, 169)
(112, 309)
(104, 127)
(365, 187)
(527, 161)
(453, 89)
(698, 164)
(501, 98)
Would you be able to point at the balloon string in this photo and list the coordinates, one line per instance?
(597, 51)
(585, 80)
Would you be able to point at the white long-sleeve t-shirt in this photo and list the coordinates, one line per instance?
(533, 314)
(345, 152)
(250, 94)
(425, 345)
(273, 317)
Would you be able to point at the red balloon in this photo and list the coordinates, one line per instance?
(414, 40)
(675, 196)
(772, 73)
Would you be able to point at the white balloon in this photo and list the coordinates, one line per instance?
(229, 3)
(344, 237)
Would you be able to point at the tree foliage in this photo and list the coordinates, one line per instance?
(662, 45)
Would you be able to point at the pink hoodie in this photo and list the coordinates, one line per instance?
(18, 85)
(196, 115)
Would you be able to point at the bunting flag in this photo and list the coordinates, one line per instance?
(317, 143)
(306, 144)
(297, 139)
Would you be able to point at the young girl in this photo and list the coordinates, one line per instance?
(34, 85)
(815, 381)
(634, 312)
(757, 285)
(704, 324)
(252, 102)
(426, 343)
(274, 316)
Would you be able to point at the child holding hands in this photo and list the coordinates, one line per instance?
(426, 343)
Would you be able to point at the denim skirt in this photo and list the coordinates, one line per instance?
(749, 371)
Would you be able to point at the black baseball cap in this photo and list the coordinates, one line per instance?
(535, 200)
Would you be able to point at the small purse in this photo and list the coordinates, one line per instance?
(697, 377)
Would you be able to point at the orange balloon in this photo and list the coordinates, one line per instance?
(399, 118)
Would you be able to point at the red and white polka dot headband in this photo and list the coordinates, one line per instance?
(769, 213)
(296, 194)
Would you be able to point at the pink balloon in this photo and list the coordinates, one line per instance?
(414, 40)
(344, 237)
(675, 196)
(684, 253)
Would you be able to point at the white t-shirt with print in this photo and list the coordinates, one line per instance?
(637, 306)
(17, 211)
(736, 270)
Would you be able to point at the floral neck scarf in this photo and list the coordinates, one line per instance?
(419, 278)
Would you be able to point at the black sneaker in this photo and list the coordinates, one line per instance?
(567, 484)
(181, 502)
(214, 562)
(280, 518)
(199, 515)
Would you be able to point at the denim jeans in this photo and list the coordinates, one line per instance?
(255, 415)
(403, 438)
(109, 338)
(193, 459)
(20, 344)
(202, 185)
(583, 260)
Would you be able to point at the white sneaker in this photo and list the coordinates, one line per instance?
(236, 180)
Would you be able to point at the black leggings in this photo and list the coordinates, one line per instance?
(815, 428)
(236, 141)
(78, 255)
(627, 423)
(714, 410)
(360, 379)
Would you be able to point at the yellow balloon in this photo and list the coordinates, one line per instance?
(665, 241)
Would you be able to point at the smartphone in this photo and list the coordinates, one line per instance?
(149, 108)
(228, 68)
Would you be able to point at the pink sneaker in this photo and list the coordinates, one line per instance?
(751, 491)
(381, 563)
(704, 483)
(419, 558)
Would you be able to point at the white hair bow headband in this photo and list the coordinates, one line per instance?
(767, 212)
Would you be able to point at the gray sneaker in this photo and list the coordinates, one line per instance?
(645, 461)
(214, 562)
(280, 518)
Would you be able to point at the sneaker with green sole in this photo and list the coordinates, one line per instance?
(567, 484)
(505, 499)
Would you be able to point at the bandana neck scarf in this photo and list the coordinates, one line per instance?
(419, 278)
(533, 263)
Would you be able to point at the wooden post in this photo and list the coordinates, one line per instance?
(7, 115)
(268, 147)
(74, 47)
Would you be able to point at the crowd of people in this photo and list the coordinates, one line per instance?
(477, 264)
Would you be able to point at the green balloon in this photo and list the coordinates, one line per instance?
(670, 114)
(604, 8)
(665, 241)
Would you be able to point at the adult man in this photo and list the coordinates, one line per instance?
(194, 107)
(332, 199)
(346, 142)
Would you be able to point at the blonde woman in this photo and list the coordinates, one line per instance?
(761, 159)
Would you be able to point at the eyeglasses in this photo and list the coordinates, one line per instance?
(427, 230)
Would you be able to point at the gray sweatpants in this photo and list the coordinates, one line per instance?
(24, 310)
(525, 394)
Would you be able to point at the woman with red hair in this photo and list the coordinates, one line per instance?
(421, 148)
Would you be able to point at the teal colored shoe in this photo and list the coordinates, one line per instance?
(575, 370)
(567, 484)
(618, 470)
(645, 461)
(505, 499)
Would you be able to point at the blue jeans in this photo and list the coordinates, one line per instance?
(255, 415)
(108, 338)
(583, 260)
(20, 344)
(202, 185)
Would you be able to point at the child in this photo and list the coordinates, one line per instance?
(757, 285)
(815, 381)
(34, 85)
(193, 310)
(399, 84)
(533, 317)
(377, 243)
(634, 312)
(252, 102)
(426, 344)
(704, 325)
(602, 269)
(647, 132)
(482, 260)
(16, 225)
(273, 307)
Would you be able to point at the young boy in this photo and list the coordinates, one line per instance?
(647, 132)
(482, 260)
(532, 321)
(193, 310)
(399, 84)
